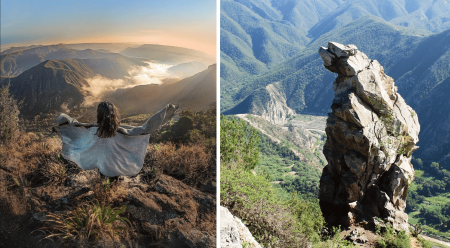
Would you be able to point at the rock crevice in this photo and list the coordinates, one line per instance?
(371, 134)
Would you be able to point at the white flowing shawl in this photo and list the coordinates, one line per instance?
(122, 154)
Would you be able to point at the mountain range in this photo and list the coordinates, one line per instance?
(62, 78)
(13, 62)
(258, 34)
(414, 50)
(168, 54)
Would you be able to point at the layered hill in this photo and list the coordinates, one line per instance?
(428, 15)
(49, 85)
(110, 47)
(55, 83)
(14, 61)
(260, 33)
(187, 69)
(197, 92)
(70, 84)
(168, 54)
(303, 73)
(256, 36)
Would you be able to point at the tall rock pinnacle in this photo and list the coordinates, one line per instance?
(371, 134)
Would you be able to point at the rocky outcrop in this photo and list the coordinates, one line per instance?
(163, 211)
(181, 216)
(371, 134)
(233, 233)
(275, 108)
(268, 102)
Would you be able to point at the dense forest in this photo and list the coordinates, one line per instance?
(428, 199)
(284, 167)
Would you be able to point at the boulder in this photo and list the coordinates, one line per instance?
(181, 216)
(371, 134)
(233, 233)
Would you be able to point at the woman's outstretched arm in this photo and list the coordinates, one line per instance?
(154, 122)
(64, 119)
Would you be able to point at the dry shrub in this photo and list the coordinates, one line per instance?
(22, 163)
(117, 193)
(28, 152)
(12, 203)
(9, 116)
(49, 173)
(109, 192)
(190, 163)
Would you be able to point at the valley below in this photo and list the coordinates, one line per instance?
(60, 78)
(273, 78)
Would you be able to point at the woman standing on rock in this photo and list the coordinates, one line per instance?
(112, 148)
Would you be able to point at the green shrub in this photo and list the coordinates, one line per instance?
(238, 143)
(391, 239)
(253, 199)
(275, 218)
(425, 243)
(417, 230)
(309, 214)
(191, 128)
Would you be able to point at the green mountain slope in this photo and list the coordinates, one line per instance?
(268, 31)
(308, 86)
(290, 156)
(419, 65)
(254, 36)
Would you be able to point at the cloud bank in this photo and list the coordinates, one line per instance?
(100, 86)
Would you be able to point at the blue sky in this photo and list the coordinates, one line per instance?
(188, 23)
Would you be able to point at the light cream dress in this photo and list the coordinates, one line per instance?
(122, 154)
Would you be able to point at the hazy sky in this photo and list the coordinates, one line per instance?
(185, 23)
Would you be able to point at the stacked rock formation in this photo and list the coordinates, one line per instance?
(371, 134)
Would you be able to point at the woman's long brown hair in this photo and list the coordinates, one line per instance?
(108, 120)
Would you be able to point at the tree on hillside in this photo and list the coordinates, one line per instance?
(238, 143)
(9, 116)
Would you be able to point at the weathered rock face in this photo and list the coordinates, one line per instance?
(270, 102)
(371, 134)
(275, 108)
(233, 233)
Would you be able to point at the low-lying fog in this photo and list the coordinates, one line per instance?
(153, 73)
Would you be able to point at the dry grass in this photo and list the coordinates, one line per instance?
(28, 151)
(27, 161)
(32, 165)
(90, 222)
(189, 163)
